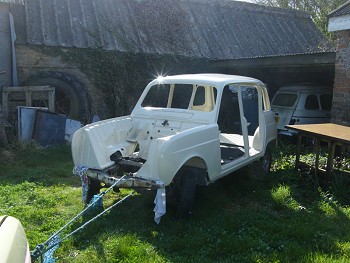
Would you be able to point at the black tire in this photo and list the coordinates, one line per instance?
(265, 162)
(187, 196)
(182, 191)
(70, 95)
(94, 189)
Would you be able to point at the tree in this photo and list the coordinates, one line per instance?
(318, 9)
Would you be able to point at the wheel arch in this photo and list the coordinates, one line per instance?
(196, 166)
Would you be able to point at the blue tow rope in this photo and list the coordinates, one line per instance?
(48, 248)
(96, 202)
(48, 255)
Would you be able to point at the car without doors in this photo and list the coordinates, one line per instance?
(184, 131)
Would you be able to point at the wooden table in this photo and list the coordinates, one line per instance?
(332, 133)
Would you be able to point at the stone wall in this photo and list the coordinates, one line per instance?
(341, 98)
(111, 81)
(34, 61)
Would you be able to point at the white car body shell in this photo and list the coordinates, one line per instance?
(168, 138)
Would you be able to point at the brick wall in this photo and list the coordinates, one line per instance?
(341, 98)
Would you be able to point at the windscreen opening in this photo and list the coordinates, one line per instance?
(284, 99)
(179, 96)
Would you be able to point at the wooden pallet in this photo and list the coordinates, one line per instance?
(30, 96)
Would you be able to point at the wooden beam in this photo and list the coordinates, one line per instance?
(20, 96)
(28, 98)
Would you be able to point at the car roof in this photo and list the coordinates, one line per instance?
(305, 88)
(207, 78)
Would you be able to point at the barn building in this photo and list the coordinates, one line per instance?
(100, 54)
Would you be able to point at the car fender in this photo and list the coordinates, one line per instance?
(168, 154)
(93, 144)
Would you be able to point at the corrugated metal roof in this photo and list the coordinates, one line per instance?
(342, 10)
(12, 1)
(215, 29)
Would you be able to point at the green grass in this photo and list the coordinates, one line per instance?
(289, 216)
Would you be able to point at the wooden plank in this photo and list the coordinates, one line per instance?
(28, 98)
(28, 88)
(52, 101)
(17, 96)
(24, 96)
(328, 131)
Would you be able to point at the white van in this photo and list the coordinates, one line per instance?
(301, 104)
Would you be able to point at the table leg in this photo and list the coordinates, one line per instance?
(317, 151)
(331, 149)
(297, 154)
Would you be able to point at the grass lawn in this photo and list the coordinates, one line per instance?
(285, 217)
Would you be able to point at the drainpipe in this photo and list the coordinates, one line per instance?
(13, 52)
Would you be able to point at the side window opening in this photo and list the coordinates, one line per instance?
(311, 102)
(199, 98)
(204, 98)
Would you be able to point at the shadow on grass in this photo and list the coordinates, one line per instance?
(237, 219)
(34, 164)
(284, 217)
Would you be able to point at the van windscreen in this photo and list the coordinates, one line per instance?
(284, 99)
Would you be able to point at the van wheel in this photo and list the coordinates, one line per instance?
(94, 189)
